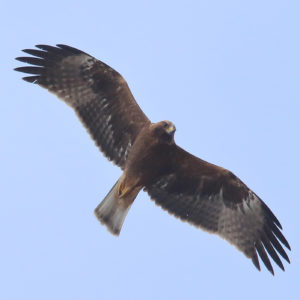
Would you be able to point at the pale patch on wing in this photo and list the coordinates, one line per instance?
(241, 226)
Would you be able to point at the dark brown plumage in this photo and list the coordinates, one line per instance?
(196, 191)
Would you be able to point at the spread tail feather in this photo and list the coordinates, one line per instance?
(112, 211)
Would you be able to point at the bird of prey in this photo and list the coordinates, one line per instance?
(200, 193)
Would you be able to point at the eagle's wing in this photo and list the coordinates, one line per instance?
(99, 95)
(215, 200)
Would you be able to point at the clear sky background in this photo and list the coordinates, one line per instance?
(225, 72)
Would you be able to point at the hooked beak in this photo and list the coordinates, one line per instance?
(170, 130)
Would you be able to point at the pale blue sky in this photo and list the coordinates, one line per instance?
(225, 72)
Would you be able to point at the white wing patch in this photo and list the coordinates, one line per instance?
(242, 225)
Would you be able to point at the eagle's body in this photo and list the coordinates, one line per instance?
(149, 154)
(147, 160)
(203, 194)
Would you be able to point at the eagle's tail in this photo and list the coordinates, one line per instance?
(112, 211)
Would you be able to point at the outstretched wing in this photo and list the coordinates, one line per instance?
(215, 200)
(99, 95)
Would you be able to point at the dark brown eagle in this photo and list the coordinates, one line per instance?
(203, 194)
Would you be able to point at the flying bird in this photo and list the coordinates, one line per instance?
(198, 192)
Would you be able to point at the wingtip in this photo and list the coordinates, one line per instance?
(31, 79)
(47, 48)
(255, 261)
(18, 69)
(288, 246)
(288, 259)
(70, 49)
(42, 46)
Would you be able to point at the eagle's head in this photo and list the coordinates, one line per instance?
(164, 130)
